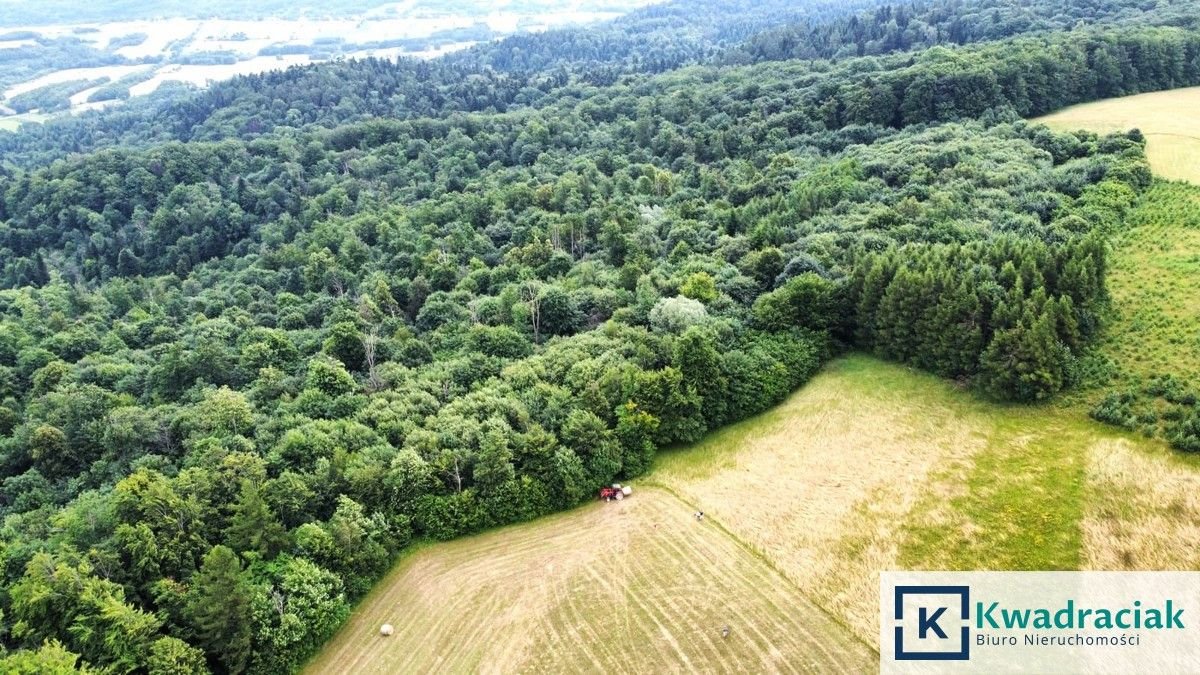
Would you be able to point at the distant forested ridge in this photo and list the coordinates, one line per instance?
(656, 38)
(907, 27)
(526, 71)
(254, 344)
(167, 209)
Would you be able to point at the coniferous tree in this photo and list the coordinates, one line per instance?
(218, 609)
(253, 527)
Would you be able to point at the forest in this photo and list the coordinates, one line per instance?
(485, 79)
(257, 341)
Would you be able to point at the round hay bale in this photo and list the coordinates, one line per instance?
(626, 490)
(386, 629)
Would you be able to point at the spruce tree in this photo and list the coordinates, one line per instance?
(218, 609)
(253, 526)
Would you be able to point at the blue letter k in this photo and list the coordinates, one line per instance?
(926, 622)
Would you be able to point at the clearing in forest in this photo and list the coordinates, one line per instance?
(1169, 119)
(14, 122)
(871, 466)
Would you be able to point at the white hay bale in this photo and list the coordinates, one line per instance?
(616, 486)
(627, 490)
(386, 629)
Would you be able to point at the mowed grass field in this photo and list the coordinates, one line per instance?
(872, 466)
(1169, 119)
(638, 585)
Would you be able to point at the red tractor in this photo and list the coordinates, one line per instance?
(615, 492)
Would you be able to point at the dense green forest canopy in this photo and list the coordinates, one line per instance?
(255, 342)
(168, 208)
(656, 38)
(900, 27)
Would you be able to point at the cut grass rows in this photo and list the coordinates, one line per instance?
(639, 584)
(873, 467)
(870, 467)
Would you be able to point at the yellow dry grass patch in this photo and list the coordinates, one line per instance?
(874, 467)
(1169, 119)
(870, 467)
(609, 587)
(825, 488)
(1144, 511)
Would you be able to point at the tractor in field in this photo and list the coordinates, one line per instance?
(615, 492)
